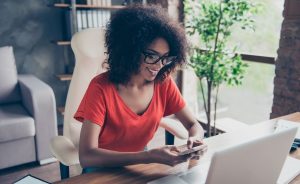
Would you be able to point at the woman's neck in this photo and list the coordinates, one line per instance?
(137, 81)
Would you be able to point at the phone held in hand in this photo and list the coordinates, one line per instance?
(192, 150)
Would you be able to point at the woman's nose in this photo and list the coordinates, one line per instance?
(160, 63)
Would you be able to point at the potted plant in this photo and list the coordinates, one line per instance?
(214, 63)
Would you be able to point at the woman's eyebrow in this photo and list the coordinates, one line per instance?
(155, 52)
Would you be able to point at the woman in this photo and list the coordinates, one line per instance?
(122, 107)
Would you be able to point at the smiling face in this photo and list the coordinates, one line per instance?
(159, 47)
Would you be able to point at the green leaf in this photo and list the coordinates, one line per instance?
(212, 22)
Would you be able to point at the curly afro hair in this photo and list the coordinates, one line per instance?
(131, 30)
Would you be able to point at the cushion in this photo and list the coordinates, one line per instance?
(15, 123)
(9, 89)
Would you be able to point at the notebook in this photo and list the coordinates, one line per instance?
(290, 170)
(29, 179)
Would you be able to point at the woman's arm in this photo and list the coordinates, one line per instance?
(196, 132)
(92, 156)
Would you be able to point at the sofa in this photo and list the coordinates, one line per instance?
(27, 115)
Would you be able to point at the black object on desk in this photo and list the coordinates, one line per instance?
(297, 140)
(295, 145)
(293, 148)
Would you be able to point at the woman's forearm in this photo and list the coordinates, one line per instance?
(106, 158)
(196, 130)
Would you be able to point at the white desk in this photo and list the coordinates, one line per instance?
(144, 173)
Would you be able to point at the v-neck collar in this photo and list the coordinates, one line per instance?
(128, 109)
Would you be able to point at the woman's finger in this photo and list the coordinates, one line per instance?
(190, 143)
(197, 157)
(174, 148)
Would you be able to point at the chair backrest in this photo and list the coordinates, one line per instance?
(88, 47)
(9, 89)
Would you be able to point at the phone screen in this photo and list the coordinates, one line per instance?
(192, 150)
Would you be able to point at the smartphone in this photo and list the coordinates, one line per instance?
(192, 150)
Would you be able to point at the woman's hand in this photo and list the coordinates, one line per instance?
(167, 155)
(193, 142)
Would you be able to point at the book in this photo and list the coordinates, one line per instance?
(95, 2)
(84, 19)
(290, 170)
(79, 20)
(89, 2)
(90, 19)
(29, 179)
(107, 17)
(95, 18)
(99, 2)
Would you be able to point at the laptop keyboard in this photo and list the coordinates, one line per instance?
(196, 175)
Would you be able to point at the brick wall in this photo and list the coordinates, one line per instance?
(287, 79)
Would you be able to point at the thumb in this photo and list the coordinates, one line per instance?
(173, 148)
(189, 143)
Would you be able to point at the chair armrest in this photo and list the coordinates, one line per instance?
(64, 150)
(175, 127)
(38, 99)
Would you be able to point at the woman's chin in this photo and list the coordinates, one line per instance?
(150, 79)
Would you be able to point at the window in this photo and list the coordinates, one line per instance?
(252, 101)
(265, 40)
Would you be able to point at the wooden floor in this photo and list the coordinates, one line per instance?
(50, 172)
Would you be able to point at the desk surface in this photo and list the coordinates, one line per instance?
(142, 173)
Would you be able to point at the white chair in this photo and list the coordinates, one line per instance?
(88, 47)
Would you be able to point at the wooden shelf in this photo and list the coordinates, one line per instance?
(64, 77)
(85, 6)
(62, 42)
(61, 110)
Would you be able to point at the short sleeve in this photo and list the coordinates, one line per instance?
(174, 100)
(92, 106)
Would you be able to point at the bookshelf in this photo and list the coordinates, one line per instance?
(62, 43)
(61, 110)
(80, 15)
(64, 77)
(86, 6)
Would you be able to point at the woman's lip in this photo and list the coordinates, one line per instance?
(153, 70)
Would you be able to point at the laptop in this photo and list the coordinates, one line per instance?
(258, 161)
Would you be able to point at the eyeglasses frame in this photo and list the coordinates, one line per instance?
(160, 58)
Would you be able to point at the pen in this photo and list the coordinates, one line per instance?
(297, 140)
(293, 148)
(296, 144)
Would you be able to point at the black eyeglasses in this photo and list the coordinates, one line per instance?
(151, 58)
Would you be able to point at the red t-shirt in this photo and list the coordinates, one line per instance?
(121, 128)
